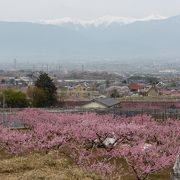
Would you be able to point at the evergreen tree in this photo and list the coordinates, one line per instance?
(47, 87)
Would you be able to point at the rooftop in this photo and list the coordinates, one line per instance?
(109, 102)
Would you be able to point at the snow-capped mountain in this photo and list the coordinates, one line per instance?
(102, 21)
(105, 37)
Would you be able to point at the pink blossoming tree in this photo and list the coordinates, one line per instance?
(98, 143)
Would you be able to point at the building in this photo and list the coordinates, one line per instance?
(150, 91)
(102, 103)
(136, 87)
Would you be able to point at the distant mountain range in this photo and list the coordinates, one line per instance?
(106, 37)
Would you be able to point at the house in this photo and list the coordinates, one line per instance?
(150, 91)
(102, 103)
(135, 87)
(78, 91)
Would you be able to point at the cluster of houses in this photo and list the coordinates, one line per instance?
(8, 82)
(86, 91)
(112, 96)
(109, 102)
(99, 90)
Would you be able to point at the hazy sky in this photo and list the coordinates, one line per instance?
(32, 10)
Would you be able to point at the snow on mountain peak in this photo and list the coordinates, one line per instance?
(105, 20)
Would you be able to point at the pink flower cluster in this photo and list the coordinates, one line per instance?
(97, 142)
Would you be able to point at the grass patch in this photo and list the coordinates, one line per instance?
(55, 166)
(42, 167)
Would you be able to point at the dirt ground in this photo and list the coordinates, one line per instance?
(41, 167)
(51, 166)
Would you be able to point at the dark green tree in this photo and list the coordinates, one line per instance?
(46, 84)
(108, 83)
(114, 94)
(153, 80)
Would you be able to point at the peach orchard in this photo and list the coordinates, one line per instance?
(97, 143)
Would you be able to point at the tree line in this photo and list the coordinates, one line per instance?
(43, 94)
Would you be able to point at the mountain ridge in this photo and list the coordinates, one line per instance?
(147, 39)
(104, 20)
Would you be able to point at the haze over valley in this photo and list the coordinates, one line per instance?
(105, 39)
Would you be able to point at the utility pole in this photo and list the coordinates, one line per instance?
(59, 68)
(15, 64)
(83, 67)
(47, 68)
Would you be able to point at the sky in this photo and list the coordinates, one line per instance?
(35, 10)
